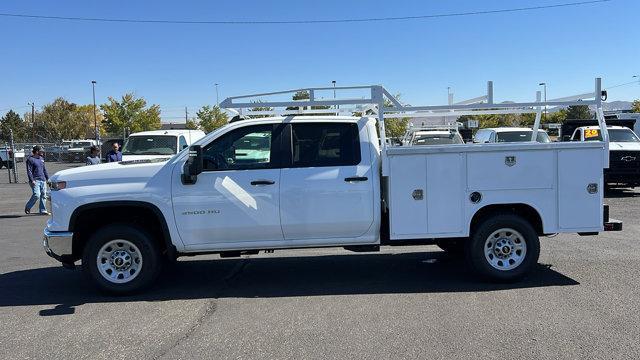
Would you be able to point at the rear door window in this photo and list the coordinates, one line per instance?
(325, 144)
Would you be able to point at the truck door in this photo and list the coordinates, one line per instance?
(237, 196)
(327, 188)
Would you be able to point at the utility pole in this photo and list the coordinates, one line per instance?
(6, 150)
(95, 120)
(217, 98)
(186, 115)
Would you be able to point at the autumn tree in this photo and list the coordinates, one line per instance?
(211, 118)
(130, 113)
(635, 106)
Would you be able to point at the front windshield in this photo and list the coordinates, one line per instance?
(521, 136)
(150, 145)
(437, 139)
(622, 135)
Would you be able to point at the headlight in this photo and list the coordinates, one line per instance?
(57, 185)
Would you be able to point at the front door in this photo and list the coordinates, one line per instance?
(236, 198)
(327, 187)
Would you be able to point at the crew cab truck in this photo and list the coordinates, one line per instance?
(325, 181)
(624, 154)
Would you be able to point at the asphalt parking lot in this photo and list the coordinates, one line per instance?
(580, 302)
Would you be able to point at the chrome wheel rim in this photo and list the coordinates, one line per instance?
(505, 249)
(119, 261)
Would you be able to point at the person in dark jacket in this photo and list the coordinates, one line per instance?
(94, 157)
(38, 176)
(115, 154)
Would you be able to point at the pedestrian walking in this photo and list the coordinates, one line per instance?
(37, 174)
(94, 157)
(115, 154)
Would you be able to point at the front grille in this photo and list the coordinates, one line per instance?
(624, 159)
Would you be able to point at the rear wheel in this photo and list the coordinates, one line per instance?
(504, 247)
(121, 259)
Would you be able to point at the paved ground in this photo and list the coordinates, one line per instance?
(581, 302)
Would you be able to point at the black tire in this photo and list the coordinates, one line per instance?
(1, 164)
(149, 254)
(478, 251)
(452, 246)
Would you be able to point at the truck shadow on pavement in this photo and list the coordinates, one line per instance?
(620, 193)
(269, 277)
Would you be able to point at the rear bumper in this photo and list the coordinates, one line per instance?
(58, 244)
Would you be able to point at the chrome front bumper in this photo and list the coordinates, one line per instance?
(58, 244)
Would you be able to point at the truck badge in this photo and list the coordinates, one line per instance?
(509, 160)
(628, 158)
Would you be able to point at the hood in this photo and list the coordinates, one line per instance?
(145, 157)
(110, 173)
(624, 146)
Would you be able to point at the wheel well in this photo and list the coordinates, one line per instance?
(89, 218)
(525, 211)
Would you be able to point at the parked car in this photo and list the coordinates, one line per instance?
(6, 155)
(76, 150)
(508, 134)
(158, 144)
(420, 137)
(624, 154)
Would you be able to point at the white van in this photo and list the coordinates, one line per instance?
(158, 144)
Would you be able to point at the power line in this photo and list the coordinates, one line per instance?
(303, 21)
(623, 84)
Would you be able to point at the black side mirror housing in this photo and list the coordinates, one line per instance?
(193, 166)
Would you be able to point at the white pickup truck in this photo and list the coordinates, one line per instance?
(325, 181)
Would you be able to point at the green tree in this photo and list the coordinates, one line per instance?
(578, 112)
(192, 124)
(132, 113)
(211, 118)
(304, 95)
(395, 127)
(260, 108)
(635, 106)
(12, 121)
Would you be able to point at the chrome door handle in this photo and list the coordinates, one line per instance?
(262, 182)
(355, 178)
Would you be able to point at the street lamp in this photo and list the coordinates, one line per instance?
(217, 98)
(95, 116)
(334, 93)
(545, 98)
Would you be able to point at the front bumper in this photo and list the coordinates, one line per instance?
(58, 245)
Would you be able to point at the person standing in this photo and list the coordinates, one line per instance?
(114, 154)
(93, 158)
(38, 176)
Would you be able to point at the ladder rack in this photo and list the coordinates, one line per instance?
(377, 98)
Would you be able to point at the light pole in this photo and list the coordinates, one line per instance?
(449, 96)
(334, 93)
(95, 115)
(217, 98)
(544, 84)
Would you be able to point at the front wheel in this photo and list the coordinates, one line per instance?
(121, 259)
(504, 247)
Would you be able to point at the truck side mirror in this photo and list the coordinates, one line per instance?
(193, 166)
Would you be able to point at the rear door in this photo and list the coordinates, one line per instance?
(326, 190)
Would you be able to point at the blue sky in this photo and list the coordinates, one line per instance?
(176, 65)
